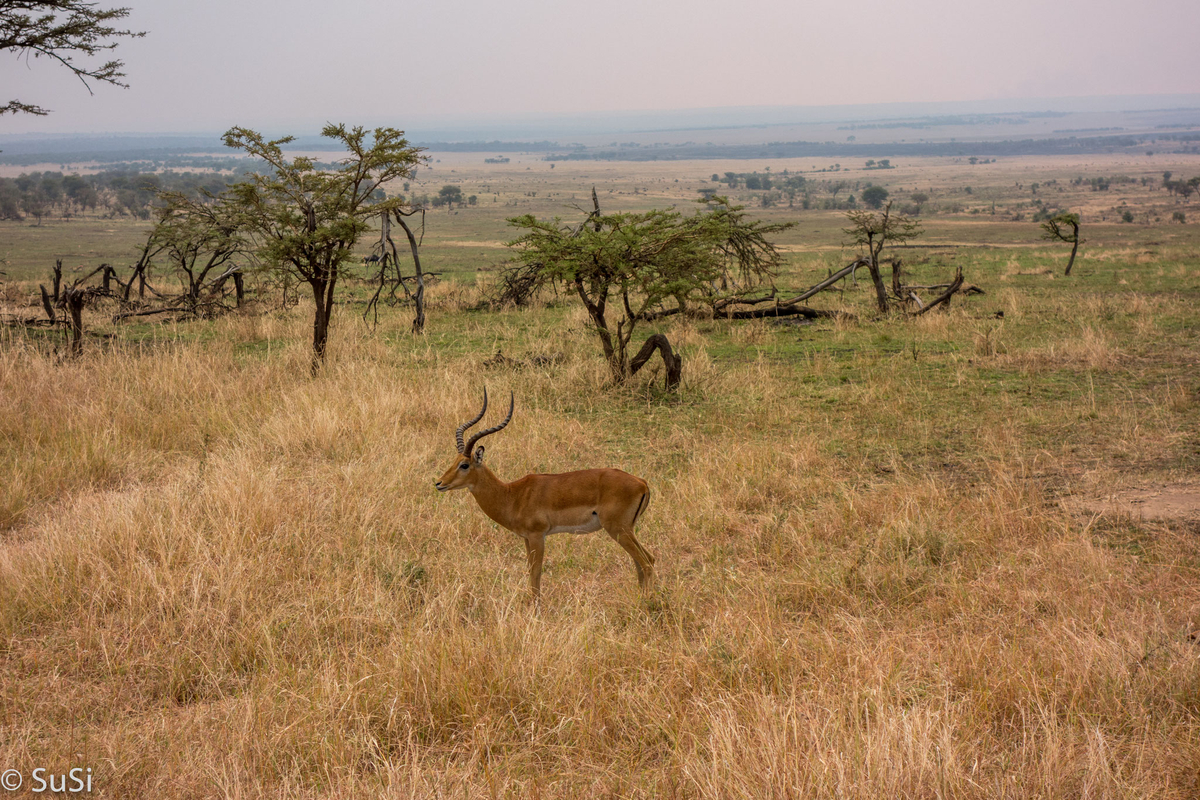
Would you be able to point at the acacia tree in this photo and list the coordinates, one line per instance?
(200, 238)
(872, 232)
(635, 262)
(306, 221)
(874, 196)
(450, 194)
(62, 30)
(1055, 229)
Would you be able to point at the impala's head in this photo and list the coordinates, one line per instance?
(462, 472)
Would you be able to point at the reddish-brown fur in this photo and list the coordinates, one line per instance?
(537, 505)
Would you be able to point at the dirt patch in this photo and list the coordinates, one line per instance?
(1179, 501)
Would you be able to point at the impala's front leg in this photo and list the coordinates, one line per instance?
(535, 551)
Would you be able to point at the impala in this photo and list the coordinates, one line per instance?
(536, 506)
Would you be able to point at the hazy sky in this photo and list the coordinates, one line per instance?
(289, 65)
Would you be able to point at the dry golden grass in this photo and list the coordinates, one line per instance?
(222, 578)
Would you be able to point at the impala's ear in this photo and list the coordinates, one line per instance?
(479, 454)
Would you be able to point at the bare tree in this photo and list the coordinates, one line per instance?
(390, 275)
(153, 247)
(873, 232)
(1055, 229)
(73, 299)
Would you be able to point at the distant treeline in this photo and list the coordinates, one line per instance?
(140, 161)
(183, 159)
(487, 147)
(112, 193)
(145, 159)
(26, 153)
(935, 122)
(765, 181)
(1023, 147)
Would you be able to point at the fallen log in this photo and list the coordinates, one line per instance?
(149, 313)
(969, 288)
(788, 310)
(825, 284)
(30, 322)
(719, 309)
(944, 298)
(47, 304)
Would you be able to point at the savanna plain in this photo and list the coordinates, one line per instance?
(892, 554)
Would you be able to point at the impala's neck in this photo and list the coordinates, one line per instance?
(493, 495)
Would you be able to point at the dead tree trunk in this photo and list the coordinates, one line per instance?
(57, 278)
(239, 288)
(139, 273)
(671, 360)
(944, 298)
(46, 304)
(149, 251)
(825, 284)
(74, 299)
(873, 249)
(388, 259)
(418, 325)
(791, 310)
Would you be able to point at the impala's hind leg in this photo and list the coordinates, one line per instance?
(642, 560)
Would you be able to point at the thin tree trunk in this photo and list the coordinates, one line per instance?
(57, 278)
(46, 304)
(239, 288)
(880, 289)
(596, 312)
(671, 360)
(74, 302)
(129, 286)
(418, 325)
(320, 323)
(138, 272)
(873, 251)
(1071, 260)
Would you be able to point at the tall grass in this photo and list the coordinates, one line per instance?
(222, 577)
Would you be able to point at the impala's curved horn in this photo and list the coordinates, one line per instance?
(458, 434)
(512, 402)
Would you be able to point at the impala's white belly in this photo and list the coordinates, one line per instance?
(591, 524)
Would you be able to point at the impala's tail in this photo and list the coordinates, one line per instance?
(645, 501)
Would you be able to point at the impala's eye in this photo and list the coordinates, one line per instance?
(463, 465)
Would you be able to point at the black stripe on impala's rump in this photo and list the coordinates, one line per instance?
(641, 507)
